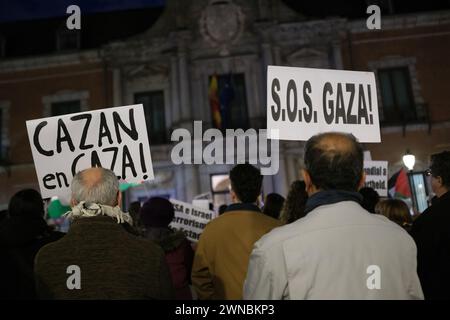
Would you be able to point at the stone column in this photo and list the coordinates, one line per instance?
(337, 55)
(277, 55)
(280, 184)
(185, 96)
(191, 182)
(174, 91)
(180, 183)
(291, 170)
(117, 87)
(267, 59)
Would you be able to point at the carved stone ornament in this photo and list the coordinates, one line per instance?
(222, 24)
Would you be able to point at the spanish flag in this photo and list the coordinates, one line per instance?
(215, 102)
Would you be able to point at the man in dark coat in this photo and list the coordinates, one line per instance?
(431, 231)
(98, 258)
(22, 233)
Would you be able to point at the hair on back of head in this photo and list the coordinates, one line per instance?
(440, 167)
(294, 206)
(103, 190)
(26, 203)
(246, 182)
(334, 161)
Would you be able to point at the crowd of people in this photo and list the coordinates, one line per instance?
(322, 241)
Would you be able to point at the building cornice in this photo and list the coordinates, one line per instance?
(49, 61)
(404, 21)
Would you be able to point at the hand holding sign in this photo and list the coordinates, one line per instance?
(114, 138)
(302, 102)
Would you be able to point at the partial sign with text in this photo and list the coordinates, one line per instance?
(190, 219)
(377, 176)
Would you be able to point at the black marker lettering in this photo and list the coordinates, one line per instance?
(36, 140)
(141, 154)
(328, 116)
(74, 164)
(115, 150)
(95, 160)
(306, 91)
(62, 129)
(276, 98)
(131, 131)
(48, 178)
(61, 174)
(351, 118)
(370, 103)
(340, 107)
(88, 118)
(362, 106)
(292, 114)
(127, 162)
(104, 130)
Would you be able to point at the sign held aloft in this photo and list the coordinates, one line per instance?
(190, 219)
(377, 176)
(302, 102)
(113, 138)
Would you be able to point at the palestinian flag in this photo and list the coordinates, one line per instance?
(56, 209)
(398, 185)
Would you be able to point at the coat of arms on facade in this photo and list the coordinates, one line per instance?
(221, 24)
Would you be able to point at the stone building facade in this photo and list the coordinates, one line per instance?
(169, 68)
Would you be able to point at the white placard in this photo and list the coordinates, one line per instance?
(189, 219)
(377, 176)
(302, 102)
(113, 138)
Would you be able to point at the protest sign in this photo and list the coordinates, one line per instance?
(189, 219)
(113, 138)
(377, 176)
(302, 102)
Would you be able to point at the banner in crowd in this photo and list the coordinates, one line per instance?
(189, 219)
(377, 176)
(113, 138)
(302, 102)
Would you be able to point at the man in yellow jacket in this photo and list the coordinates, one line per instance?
(223, 251)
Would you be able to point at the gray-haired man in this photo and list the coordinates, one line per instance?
(98, 258)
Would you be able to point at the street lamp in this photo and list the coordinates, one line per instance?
(409, 160)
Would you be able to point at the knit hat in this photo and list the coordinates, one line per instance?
(157, 212)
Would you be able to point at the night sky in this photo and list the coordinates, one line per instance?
(16, 10)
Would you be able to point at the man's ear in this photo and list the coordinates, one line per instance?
(119, 198)
(73, 203)
(439, 180)
(307, 180)
(362, 181)
(233, 195)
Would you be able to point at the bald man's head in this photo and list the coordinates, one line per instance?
(334, 161)
(97, 185)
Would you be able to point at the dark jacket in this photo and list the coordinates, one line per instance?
(20, 239)
(113, 264)
(431, 231)
(223, 251)
(179, 257)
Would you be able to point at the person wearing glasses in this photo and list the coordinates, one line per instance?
(431, 231)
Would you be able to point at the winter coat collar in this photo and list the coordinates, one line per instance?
(168, 239)
(329, 197)
(243, 207)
